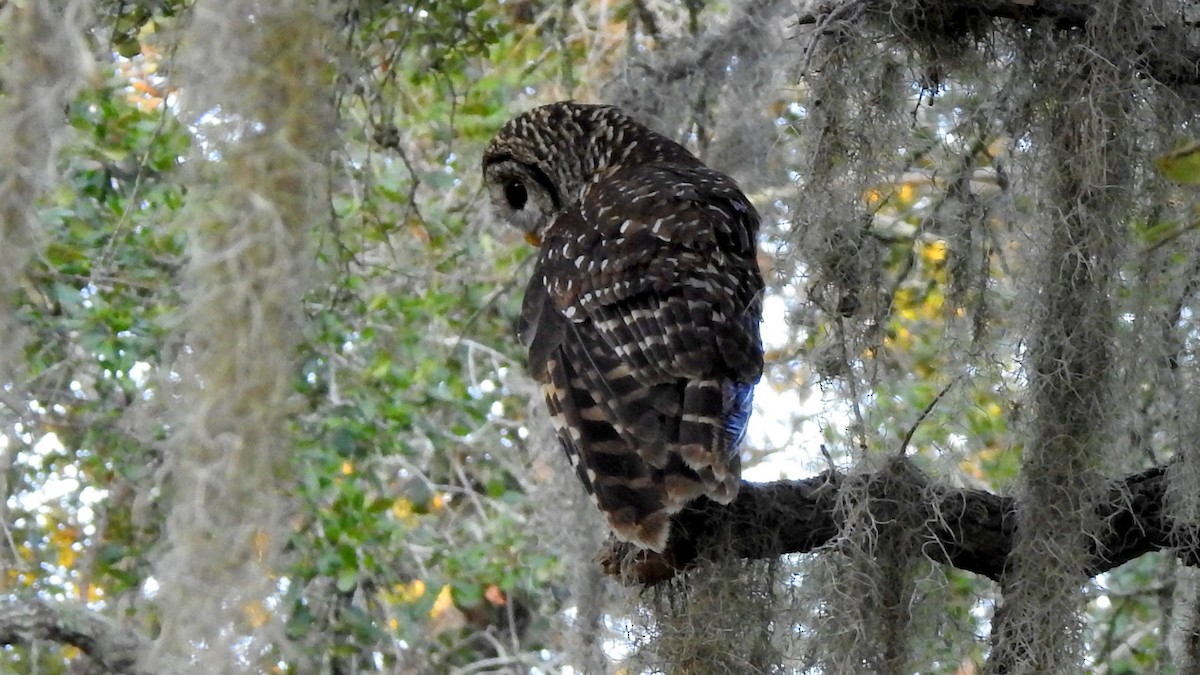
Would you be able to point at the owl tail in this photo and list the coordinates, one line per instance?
(610, 468)
(710, 430)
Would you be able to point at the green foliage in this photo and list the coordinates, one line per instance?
(412, 529)
(394, 440)
(1182, 165)
(411, 541)
(99, 303)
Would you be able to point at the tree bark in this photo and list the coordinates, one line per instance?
(111, 647)
(971, 530)
(968, 529)
(1164, 54)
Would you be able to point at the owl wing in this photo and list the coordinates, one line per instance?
(641, 321)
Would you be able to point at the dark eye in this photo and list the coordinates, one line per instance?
(514, 192)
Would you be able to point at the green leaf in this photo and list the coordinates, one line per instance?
(347, 579)
(1182, 165)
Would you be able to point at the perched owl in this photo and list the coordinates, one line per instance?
(642, 316)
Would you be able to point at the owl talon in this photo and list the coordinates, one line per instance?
(633, 566)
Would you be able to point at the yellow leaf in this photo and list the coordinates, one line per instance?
(906, 193)
(347, 468)
(403, 511)
(934, 251)
(256, 614)
(443, 603)
(933, 303)
(444, 616)
(260, 542)
(905, 297)
(63, 539)
(410, 592)
(64, 536)
(437, 503)
(972, 468)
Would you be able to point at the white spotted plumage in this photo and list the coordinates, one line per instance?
(641, 317)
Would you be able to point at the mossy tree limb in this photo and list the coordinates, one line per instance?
(110, 646)
(1163, 54)
(972, 530)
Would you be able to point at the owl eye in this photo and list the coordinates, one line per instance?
(515, 193)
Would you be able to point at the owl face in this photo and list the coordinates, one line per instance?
(522, 194)
(540, 162)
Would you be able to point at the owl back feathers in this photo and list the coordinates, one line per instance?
(654, 290)
(641, 321)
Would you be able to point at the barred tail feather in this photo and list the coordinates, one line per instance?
(622, 485)
(712, 424)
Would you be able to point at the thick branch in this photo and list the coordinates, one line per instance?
(110, 646)
(1164, 54)
(968, 529)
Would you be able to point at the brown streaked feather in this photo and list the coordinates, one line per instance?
(641, 318)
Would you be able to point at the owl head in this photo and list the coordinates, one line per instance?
(522, 190)
(541, 161)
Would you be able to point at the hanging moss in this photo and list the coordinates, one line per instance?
(258, 197)
(46, 60)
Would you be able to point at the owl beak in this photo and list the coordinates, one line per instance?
(533, 239)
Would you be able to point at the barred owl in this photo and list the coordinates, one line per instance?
(641, 319)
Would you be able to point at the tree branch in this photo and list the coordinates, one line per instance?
(1164, 51)
(112, 647)
(971, 530)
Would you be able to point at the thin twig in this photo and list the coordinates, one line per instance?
(925, 413)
